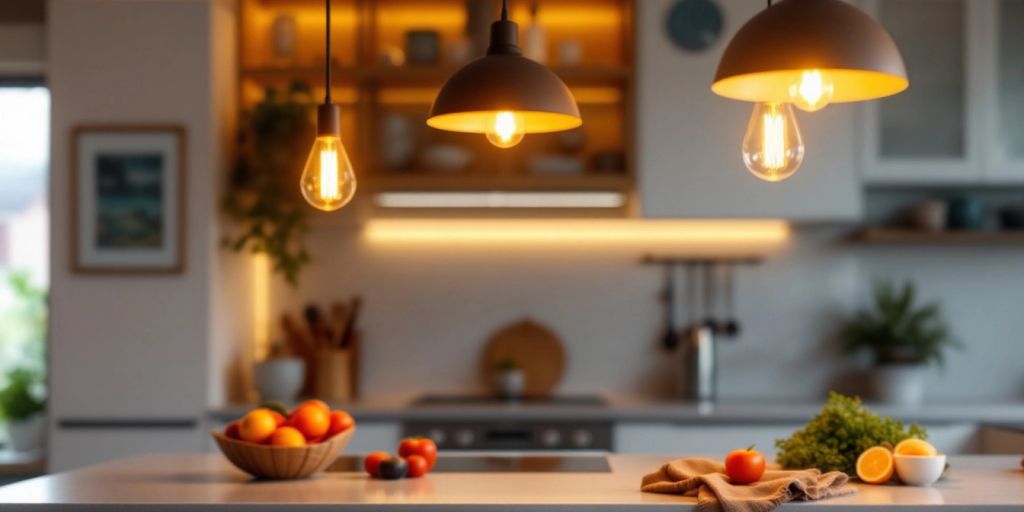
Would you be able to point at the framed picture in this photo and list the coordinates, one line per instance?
(127, 199)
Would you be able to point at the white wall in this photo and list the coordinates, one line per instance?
(141, 346)
(430, 308)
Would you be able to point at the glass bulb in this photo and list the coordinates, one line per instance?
(813, 91)
(773, 148)
(328, 182)
(505, 128)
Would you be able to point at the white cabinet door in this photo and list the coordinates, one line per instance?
(702, 440)
(932, 133)
(688, 139)
(1005, 131)
(74, 448)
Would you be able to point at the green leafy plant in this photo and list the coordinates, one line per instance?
(23, 395)
(23, 323)
(263, 195)
(896, 330)
(840, 432)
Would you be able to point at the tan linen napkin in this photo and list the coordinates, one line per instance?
(705, 479)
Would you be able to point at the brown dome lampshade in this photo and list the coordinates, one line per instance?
(771, 53)
(504, 83)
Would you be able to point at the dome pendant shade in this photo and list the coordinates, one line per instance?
(504, 81)
(773, 50)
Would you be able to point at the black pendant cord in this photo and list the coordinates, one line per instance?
(769, 3)
(327, 58)
(504, 10)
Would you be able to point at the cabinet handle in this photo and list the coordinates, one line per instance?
(127, 423)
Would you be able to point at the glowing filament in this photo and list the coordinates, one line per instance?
(774, 140)
(330, 188)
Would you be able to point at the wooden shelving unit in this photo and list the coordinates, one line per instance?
(371, 91)
(890, 236)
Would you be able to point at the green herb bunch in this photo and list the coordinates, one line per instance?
(834, 438)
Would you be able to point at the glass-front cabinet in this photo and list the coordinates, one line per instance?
(962, 119)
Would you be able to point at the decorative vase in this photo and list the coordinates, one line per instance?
(511, 383)
(899, 384)
(283, 33)
(280, 378)
(396, 142)
(26, 435)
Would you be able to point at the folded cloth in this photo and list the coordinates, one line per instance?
(706, 480)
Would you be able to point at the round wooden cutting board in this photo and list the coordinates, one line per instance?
(535, 348)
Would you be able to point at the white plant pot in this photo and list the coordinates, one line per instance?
(27, 435)
(511, 383)
(279, 379)
(899, 384)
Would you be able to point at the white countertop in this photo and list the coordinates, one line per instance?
(208, 483)
(627, 409)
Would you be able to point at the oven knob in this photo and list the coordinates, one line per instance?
(437, 435)
(550, 438)
(464, 438)
(582, 438)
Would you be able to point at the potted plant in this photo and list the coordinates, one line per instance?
(262, 197)
(903, 336)
(22, 401)
(511, 380)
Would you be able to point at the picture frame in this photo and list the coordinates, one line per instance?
(128, 206)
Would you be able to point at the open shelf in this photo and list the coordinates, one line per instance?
(895, 236)
(394, 181)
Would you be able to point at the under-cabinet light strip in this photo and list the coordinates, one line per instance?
(500, 199)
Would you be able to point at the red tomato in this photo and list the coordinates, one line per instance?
(418, 446)
(232, 430)
(372, 462)
(418, 466)
(340, 422)
(744, 466)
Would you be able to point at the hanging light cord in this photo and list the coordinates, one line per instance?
(504, 10)
(327, 59)
(769, 3)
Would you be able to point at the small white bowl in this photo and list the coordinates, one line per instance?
(920, 470)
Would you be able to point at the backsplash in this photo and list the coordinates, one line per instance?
(429, 308)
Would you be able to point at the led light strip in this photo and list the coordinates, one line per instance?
(500, 199)
(697, 232)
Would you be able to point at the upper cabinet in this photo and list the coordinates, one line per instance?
(390, 58)
(958, 123)
(688, 140)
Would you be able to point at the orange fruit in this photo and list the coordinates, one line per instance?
(340, 422)
(319, 403)
(257, 426)
(278, 417)
(915, 447)
(875, 465)
(311, 420)
(287, 436)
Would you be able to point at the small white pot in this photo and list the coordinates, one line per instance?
(280, 378)
(511, 383)
(899, 384)
(27, 435)
(920, 470)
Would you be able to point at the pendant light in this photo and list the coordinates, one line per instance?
(328, 182)
(503, 94)
(809, 53)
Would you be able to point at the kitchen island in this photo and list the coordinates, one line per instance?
(208, 483)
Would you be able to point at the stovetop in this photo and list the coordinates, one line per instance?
(559, 400)
(499, 464)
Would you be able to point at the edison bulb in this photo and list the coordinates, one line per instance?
(773, 148)
(505, 128)
(328, 182)
(813, 91)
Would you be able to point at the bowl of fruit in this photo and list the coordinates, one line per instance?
(272, 443)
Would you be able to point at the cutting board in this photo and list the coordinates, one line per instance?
(535, 348)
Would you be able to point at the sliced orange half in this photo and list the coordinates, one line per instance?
(874, 466)
(915, 447)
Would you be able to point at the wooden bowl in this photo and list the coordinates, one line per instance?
(282, 462)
